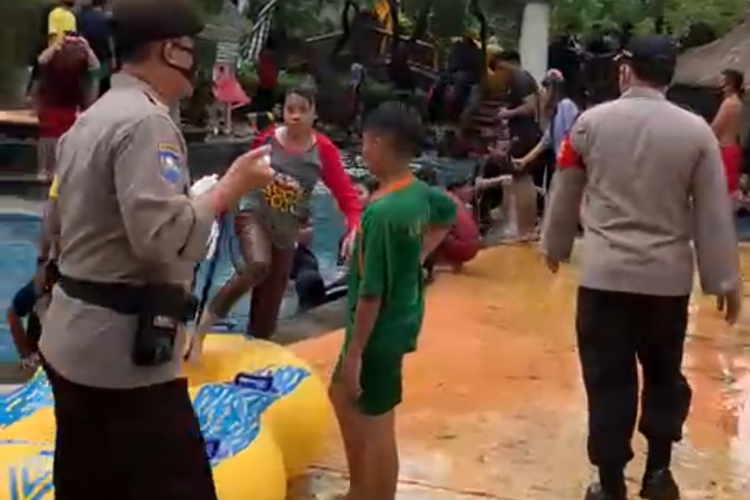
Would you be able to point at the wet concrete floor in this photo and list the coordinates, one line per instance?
(493, 402)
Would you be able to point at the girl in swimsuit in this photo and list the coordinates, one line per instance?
(267, 223)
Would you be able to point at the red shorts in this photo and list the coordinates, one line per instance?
(54, 122)
(731, 155)
(462, 242)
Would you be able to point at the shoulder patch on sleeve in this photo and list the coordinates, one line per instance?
(567, 156)
(169, 158)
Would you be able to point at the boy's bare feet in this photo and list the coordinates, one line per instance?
(354, 444)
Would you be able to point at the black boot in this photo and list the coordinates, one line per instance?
(611, 485)
(596, 492)
(659, 485)
(658, 482)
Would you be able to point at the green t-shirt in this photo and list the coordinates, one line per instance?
(386, 261)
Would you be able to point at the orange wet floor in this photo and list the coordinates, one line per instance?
(493, 400)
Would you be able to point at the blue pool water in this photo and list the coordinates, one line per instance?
(19, 237)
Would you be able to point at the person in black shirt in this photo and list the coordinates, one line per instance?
(25, 306)
(94, 25)
(522, 115)
(309, 284)
(522, 109)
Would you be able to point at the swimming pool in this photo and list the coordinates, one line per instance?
(19, 237)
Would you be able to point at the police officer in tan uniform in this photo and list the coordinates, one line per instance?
(130, 236)
(655, 199)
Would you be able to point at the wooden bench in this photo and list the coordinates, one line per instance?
(19, 124)
(18, 134)
(23, 117)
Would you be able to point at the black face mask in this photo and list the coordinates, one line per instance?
(189, 74)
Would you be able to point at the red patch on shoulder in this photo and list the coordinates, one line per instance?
(567, 157)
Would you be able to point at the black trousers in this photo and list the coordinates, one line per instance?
(616, 331)
(128, 444)
(544, 170)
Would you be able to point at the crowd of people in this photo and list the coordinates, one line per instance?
(110, 293)
(517, 143)
(125, 226)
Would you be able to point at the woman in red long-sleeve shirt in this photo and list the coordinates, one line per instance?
(268, 221)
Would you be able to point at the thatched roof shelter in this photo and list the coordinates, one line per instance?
(702, 66)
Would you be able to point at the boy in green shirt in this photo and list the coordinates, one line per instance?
(404, 222)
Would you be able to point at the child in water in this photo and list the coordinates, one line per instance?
(309, 284)
(403, 223)
(27, 304)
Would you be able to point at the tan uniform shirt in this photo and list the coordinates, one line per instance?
(124, 217)
(654, 192)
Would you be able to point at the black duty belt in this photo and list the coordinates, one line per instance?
(130, 299)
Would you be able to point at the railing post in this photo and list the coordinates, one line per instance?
(534, 38)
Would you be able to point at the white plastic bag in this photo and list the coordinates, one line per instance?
(203, 184)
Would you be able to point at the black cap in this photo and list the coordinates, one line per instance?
(142, 21)
(651, 49)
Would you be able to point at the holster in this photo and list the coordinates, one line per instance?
(161, 309)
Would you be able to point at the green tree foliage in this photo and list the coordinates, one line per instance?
(583, 15)
(209, 7)
(450, 18)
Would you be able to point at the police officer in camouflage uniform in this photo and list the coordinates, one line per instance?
(130, 236)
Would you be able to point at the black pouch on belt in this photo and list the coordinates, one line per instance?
(160, 308)
(165, 308)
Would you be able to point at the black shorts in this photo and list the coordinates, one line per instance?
(522, 145)
(128, 444)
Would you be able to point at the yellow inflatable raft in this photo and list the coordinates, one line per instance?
(262, 411)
